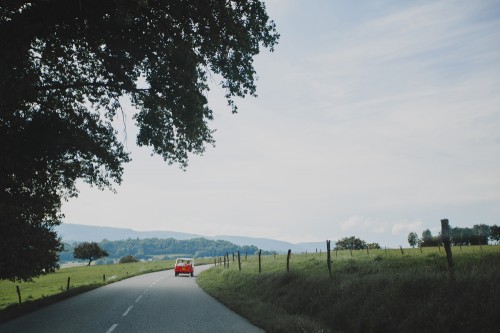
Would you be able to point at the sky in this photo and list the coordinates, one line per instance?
(373, 119)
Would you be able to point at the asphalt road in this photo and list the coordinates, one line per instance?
(156, 302)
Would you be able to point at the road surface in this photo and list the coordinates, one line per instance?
(155, 302)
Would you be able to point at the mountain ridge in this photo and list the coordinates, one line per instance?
(71, 233)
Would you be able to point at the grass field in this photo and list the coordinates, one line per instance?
(379, 291)
(52, 287)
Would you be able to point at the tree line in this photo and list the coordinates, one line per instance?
(150, 247)
(479, 234)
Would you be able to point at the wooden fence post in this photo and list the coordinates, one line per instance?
(328, 259)
(239, 261)
(67, 286)
(401, 248)
(445, 238)
(288, 260)
(104, 278)
(18, 293)
(260, 268)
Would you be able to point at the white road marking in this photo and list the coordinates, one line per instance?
(128, 310)
(138, 298)
(112, 328)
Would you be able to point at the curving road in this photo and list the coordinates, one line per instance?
(155, 302)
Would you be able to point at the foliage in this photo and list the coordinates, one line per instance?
(369, 292)
(128, 259)
(67, 253)
(373, 246)
(350, 243)
(27, 249)
(89, 251)
(481, 234)
(477, 235)
(495, 233)
(151, 247)
(428, 239)
(64, 66)
(413, 239)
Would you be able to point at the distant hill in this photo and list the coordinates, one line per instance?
(86, 233)
(80, 233)
(274, 245)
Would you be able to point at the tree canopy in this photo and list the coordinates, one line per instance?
(150, 248)
(89, 251)
(64, 66)
(479, 234)
(413, 239)
(351, 243)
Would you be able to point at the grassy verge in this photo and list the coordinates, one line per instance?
(383, 291)
(52, 288)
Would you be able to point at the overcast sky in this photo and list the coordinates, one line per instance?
(374, 119)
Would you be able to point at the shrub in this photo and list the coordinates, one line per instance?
(128, 259)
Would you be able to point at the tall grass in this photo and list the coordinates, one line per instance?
(382, 291)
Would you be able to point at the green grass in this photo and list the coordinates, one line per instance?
(383, 291)
(51, 288)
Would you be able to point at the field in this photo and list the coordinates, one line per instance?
(379, 291)
(53, 287)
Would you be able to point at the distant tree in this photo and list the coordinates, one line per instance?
(428, 239)
(128, 259)
(413, 239)
(350, 243)
(426, 235)
(373, 246)
(495, 233)
(461, 236)
(481, 234)
(89, 251)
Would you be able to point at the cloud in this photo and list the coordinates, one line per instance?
(361, 223)
(406, 227)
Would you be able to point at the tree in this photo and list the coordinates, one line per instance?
(481, 234)
(413, 239)
(495, 233)
(64, 66)
(89, 251)
(428, 239)
(350, 243)
(461, 236)
(373, 246)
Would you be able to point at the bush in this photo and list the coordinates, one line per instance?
(128, 259)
